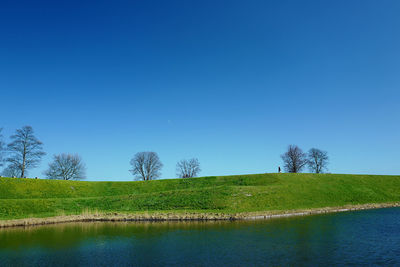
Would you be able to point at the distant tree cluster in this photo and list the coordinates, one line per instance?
(147, 166)
(25, 152)
(294, 160)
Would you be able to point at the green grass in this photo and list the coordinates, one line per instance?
(24, 198)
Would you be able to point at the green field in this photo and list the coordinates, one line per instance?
(25, 198)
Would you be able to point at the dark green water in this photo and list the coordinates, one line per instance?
(355, 238)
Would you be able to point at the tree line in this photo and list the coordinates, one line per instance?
(25, 151)
(294, 160)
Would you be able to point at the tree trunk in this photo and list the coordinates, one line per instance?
(23, 163)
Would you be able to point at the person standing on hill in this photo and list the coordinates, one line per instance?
(279, 169)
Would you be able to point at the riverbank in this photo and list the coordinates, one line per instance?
(222, 197)
(171, 216)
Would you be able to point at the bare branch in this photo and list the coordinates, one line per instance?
(66, 167)
(188, 168)
(146, 166)
(294, 159)
(317, 160)
(26, 150)
(11, 171)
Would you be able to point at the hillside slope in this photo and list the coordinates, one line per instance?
(25, 198)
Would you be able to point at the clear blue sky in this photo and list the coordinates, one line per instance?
(229, 82)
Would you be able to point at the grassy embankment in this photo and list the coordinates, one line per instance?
(244, 194)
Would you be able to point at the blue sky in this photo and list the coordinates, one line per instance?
(232, 83)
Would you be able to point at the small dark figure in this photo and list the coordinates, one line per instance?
(279, 169)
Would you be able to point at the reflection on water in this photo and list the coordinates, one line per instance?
(362, 238)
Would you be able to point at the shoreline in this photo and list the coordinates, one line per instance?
(188, 216)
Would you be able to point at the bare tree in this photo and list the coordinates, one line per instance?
(294, 159)
(188, 168)
(26, 150)
(317, 160)
(66, 167)
(11, 171)
(146, 166)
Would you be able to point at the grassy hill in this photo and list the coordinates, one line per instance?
(25, 198)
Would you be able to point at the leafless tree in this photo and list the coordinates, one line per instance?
(26, 150)
(188, 168)
(11, 171)
(317, 160)
(66, 167)
(294, 159)
(146, 166)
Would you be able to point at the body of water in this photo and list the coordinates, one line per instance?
(370, 237)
